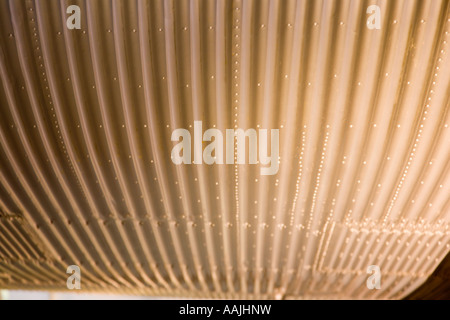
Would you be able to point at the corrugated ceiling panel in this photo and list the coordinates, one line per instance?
(86, 165)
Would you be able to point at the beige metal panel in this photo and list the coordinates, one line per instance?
(87, 117)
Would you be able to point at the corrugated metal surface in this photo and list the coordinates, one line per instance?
(85, 146)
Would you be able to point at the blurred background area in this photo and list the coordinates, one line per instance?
(47, 295)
